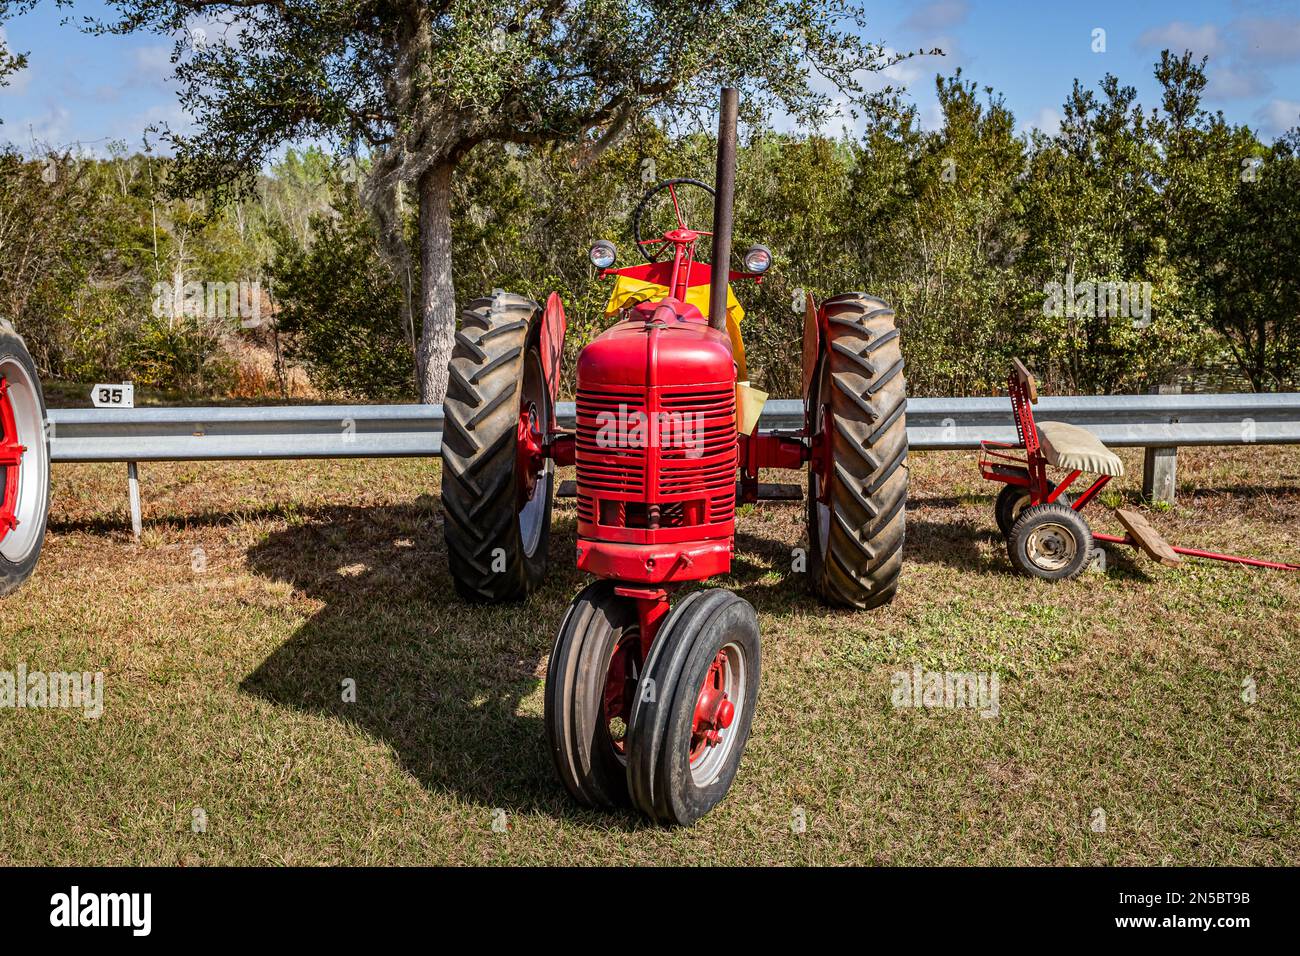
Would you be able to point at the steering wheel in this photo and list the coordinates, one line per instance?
(653, 248)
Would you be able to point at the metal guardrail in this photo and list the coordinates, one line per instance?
(398, 431)
(1160, 423)
(226, 433)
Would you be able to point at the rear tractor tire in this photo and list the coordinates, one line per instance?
(24, 462)
(497, 490)
(858, 475)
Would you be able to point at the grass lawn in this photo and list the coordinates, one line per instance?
(225, 634)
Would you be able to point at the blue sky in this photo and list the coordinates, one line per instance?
(88, 90)
(1032, 52)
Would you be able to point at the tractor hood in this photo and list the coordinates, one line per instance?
(662, 344)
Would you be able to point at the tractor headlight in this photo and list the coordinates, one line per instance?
(758, 259)
(603, 254)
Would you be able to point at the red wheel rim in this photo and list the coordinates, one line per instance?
(714, 710)
(11, 458)
(528, 451)
(620, 688)
(820, 458)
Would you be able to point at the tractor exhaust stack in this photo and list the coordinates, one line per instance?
(723, 207)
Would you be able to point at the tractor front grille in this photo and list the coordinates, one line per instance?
(701, 464)
(690, 432)
(606, 461)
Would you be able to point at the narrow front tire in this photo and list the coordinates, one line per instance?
(692, 717)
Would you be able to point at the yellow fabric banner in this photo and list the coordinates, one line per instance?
(628, 291)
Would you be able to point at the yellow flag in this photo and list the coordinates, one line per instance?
(628, 291)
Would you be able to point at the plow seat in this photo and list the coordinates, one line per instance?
(1073, 448)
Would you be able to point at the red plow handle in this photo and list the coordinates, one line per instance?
(1198, 553)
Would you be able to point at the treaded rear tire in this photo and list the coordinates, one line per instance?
(860, 377)
(488, 556)
(15, 568)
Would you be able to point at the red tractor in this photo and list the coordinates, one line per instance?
(647, 702)
(24, 462)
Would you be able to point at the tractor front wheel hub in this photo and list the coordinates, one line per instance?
(529, 452)
(11, 460)
(714, 710)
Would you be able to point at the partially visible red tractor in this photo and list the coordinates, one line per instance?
(24, 461)
(647, 702)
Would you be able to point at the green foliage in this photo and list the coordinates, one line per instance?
(420, 84)
(966, 229)
(339, 307)
(87, 246)
(177, 356)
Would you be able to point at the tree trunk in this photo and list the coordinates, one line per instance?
(437, 293)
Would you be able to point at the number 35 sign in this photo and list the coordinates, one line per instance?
(121, 395)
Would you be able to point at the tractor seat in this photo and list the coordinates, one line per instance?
(1077, 449)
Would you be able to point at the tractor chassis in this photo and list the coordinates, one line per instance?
(651, 687)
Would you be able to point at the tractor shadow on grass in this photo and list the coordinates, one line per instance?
(452, 688)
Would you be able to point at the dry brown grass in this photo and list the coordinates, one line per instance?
(1120, 691)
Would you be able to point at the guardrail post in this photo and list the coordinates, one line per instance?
(133, 491)
(1160, 465)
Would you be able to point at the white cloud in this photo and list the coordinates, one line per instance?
(1230, 83)
(150, 65)
(18, 82)
(1179, 35)
(1048, 120)
(930, 117)
(938, 15)
(154, 58)
(1277, 116)
(1269, 39)
(1238, 51)
(953, 55)
(38, 133)
(904, 72)
(227, 28)
(169, 115)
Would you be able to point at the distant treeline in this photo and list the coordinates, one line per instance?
(1134, 247)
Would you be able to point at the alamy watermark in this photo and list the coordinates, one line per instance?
(132, 911)
(633, 428)
(1089, 299)
(21, 689)
(953, 690)
(209, 300)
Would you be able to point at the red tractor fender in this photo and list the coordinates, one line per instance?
(550, 344)
(814, 339)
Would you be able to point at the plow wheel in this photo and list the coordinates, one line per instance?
(857, 476)
(497, 485)
(24, 462)
(1050, 541)
(692, 716)
(591, 681)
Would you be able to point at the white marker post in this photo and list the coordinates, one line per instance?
(122, 395)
